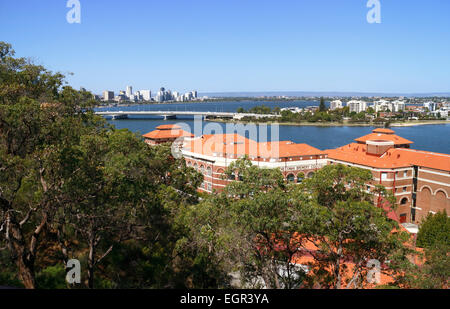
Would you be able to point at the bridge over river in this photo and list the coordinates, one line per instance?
(174, 114)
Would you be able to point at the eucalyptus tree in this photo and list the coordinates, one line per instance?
(38, 119)
(349, 230)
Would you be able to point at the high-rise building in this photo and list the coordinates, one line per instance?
(108, 95)
(129, 91)
(335, 104)
(146, 95)
(432, 106)
(357, 106)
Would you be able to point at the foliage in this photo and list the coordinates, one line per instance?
(434, 230)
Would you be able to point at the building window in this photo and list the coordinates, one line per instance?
(404, 189)
(383, 176)
(209, 171)
(403, 201)
(405, 174)
(290, 178)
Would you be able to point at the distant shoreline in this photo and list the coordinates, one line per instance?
(336, 124)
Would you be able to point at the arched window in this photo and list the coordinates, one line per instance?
(404, 201)
(209, 171)
(195, 165)
(232, 176)
(300, 177)
(290, 178)
(310, 174)
(189, 163)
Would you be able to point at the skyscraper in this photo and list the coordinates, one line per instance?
(146, 95)
(108, 95)
(129, 91)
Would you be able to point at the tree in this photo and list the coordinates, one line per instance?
(434, 230)
(322, 107)
(250, 227)
(73, 186)
(38, 119)
(347, 228)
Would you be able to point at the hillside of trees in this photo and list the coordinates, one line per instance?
(74, 187)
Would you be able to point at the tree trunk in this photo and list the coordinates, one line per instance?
(91, 262)
(26, 273)
(24, 258)
(337, 269)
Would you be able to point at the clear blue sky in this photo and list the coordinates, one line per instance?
(237, 45)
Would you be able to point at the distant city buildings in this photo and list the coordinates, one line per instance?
(432, 106)
(108, 95)
(162, 95)
(357, 106)
(387, 106)
(336, 104)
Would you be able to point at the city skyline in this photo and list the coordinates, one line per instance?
(238, 47)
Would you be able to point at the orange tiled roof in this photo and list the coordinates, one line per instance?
(357, 154)
(235, 144)
(167, 134)
(383, 134)
(384, 131)
(434, 160)
(168, 127)
(392, 158)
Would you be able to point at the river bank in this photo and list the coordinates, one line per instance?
(337, 124)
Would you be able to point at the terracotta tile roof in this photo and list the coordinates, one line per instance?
(235, 144)
(428, 159)
(385, 135)
(392, 158)
(167, 134)
(384, 131)
(357, 154)
(168, 127)
(305, 256)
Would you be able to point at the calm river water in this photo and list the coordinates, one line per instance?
(427, 137)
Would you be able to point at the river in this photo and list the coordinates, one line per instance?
(425, 137)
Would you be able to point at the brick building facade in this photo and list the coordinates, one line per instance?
(419, 180)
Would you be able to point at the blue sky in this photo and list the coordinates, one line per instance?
(237, 45)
